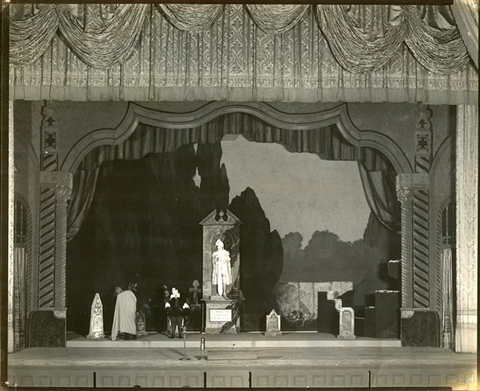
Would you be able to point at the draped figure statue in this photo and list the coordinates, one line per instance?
(221, 269)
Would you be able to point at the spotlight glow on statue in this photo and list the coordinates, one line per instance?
(221, 270)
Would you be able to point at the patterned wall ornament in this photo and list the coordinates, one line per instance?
(421, 206)
(423, 139)
(49, 147)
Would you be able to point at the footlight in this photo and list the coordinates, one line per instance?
(202, 348)
(184, 332)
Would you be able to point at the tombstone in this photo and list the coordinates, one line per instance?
(195, 291)
(96, 319)
(347, 323)
(273, 328)
(195, 318)
(327, 320)
(140, 322)
(387, 314)
(221, 306)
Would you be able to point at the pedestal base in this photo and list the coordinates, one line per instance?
(47, 329)
(420, 328)
(222, 317)
(346, 336)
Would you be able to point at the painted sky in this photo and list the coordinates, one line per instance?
(298, 191)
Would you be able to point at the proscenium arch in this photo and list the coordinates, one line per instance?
(137, 114)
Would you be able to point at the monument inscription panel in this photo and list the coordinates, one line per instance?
(220, 315)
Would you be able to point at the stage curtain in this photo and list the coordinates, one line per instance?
(364, 37)
(380, 192)
(232, 52)
(97, 45)
(326, 142)
(85, 182)
(466, 17)
(194, 18)
(278, 18)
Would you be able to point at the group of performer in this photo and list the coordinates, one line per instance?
(129, 320)
(126, 317)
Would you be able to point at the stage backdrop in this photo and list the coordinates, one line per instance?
(304, 220)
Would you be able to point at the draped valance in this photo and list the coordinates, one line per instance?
(234, 52)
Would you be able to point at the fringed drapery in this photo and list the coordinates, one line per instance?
(326, 142)
(363, 47)
(435, 41)
(231, 52)
(100, 46)
(277, 19)
(357, 46)
(466, 17)
(191, 17)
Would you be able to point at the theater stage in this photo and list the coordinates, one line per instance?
(244, 360)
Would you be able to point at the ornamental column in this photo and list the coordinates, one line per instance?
(63, 192)
(11, 227)
(419, 324)
(47, 325)
(404, 194)
(466, 229)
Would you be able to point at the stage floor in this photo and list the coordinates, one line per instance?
(242, 340)
(231, 363)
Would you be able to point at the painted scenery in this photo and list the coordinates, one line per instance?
(306, 227)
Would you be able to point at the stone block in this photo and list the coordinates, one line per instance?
(387, 314)
(47, 329)
(222, 317)
(420, 328)
(369, 323)
(328, 317)
(359, 326)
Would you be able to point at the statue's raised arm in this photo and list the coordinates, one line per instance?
(221, 269)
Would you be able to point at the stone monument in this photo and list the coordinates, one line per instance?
(96, 319)
(273, 325)
(221, 278)
(347, 323)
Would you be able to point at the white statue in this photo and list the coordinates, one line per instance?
(221, 270)
(96, 319)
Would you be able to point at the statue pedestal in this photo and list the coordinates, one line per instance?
(222, 316)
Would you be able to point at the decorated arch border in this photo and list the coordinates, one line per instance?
(136, 114)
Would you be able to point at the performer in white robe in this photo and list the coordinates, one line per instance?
(124, 316)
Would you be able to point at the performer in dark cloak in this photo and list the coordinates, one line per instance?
(178, 311)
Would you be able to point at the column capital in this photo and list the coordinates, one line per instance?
(56, 179)
(404, 194)
(412, 181)
(62, 194)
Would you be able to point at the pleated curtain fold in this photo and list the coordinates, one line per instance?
(252, 52)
